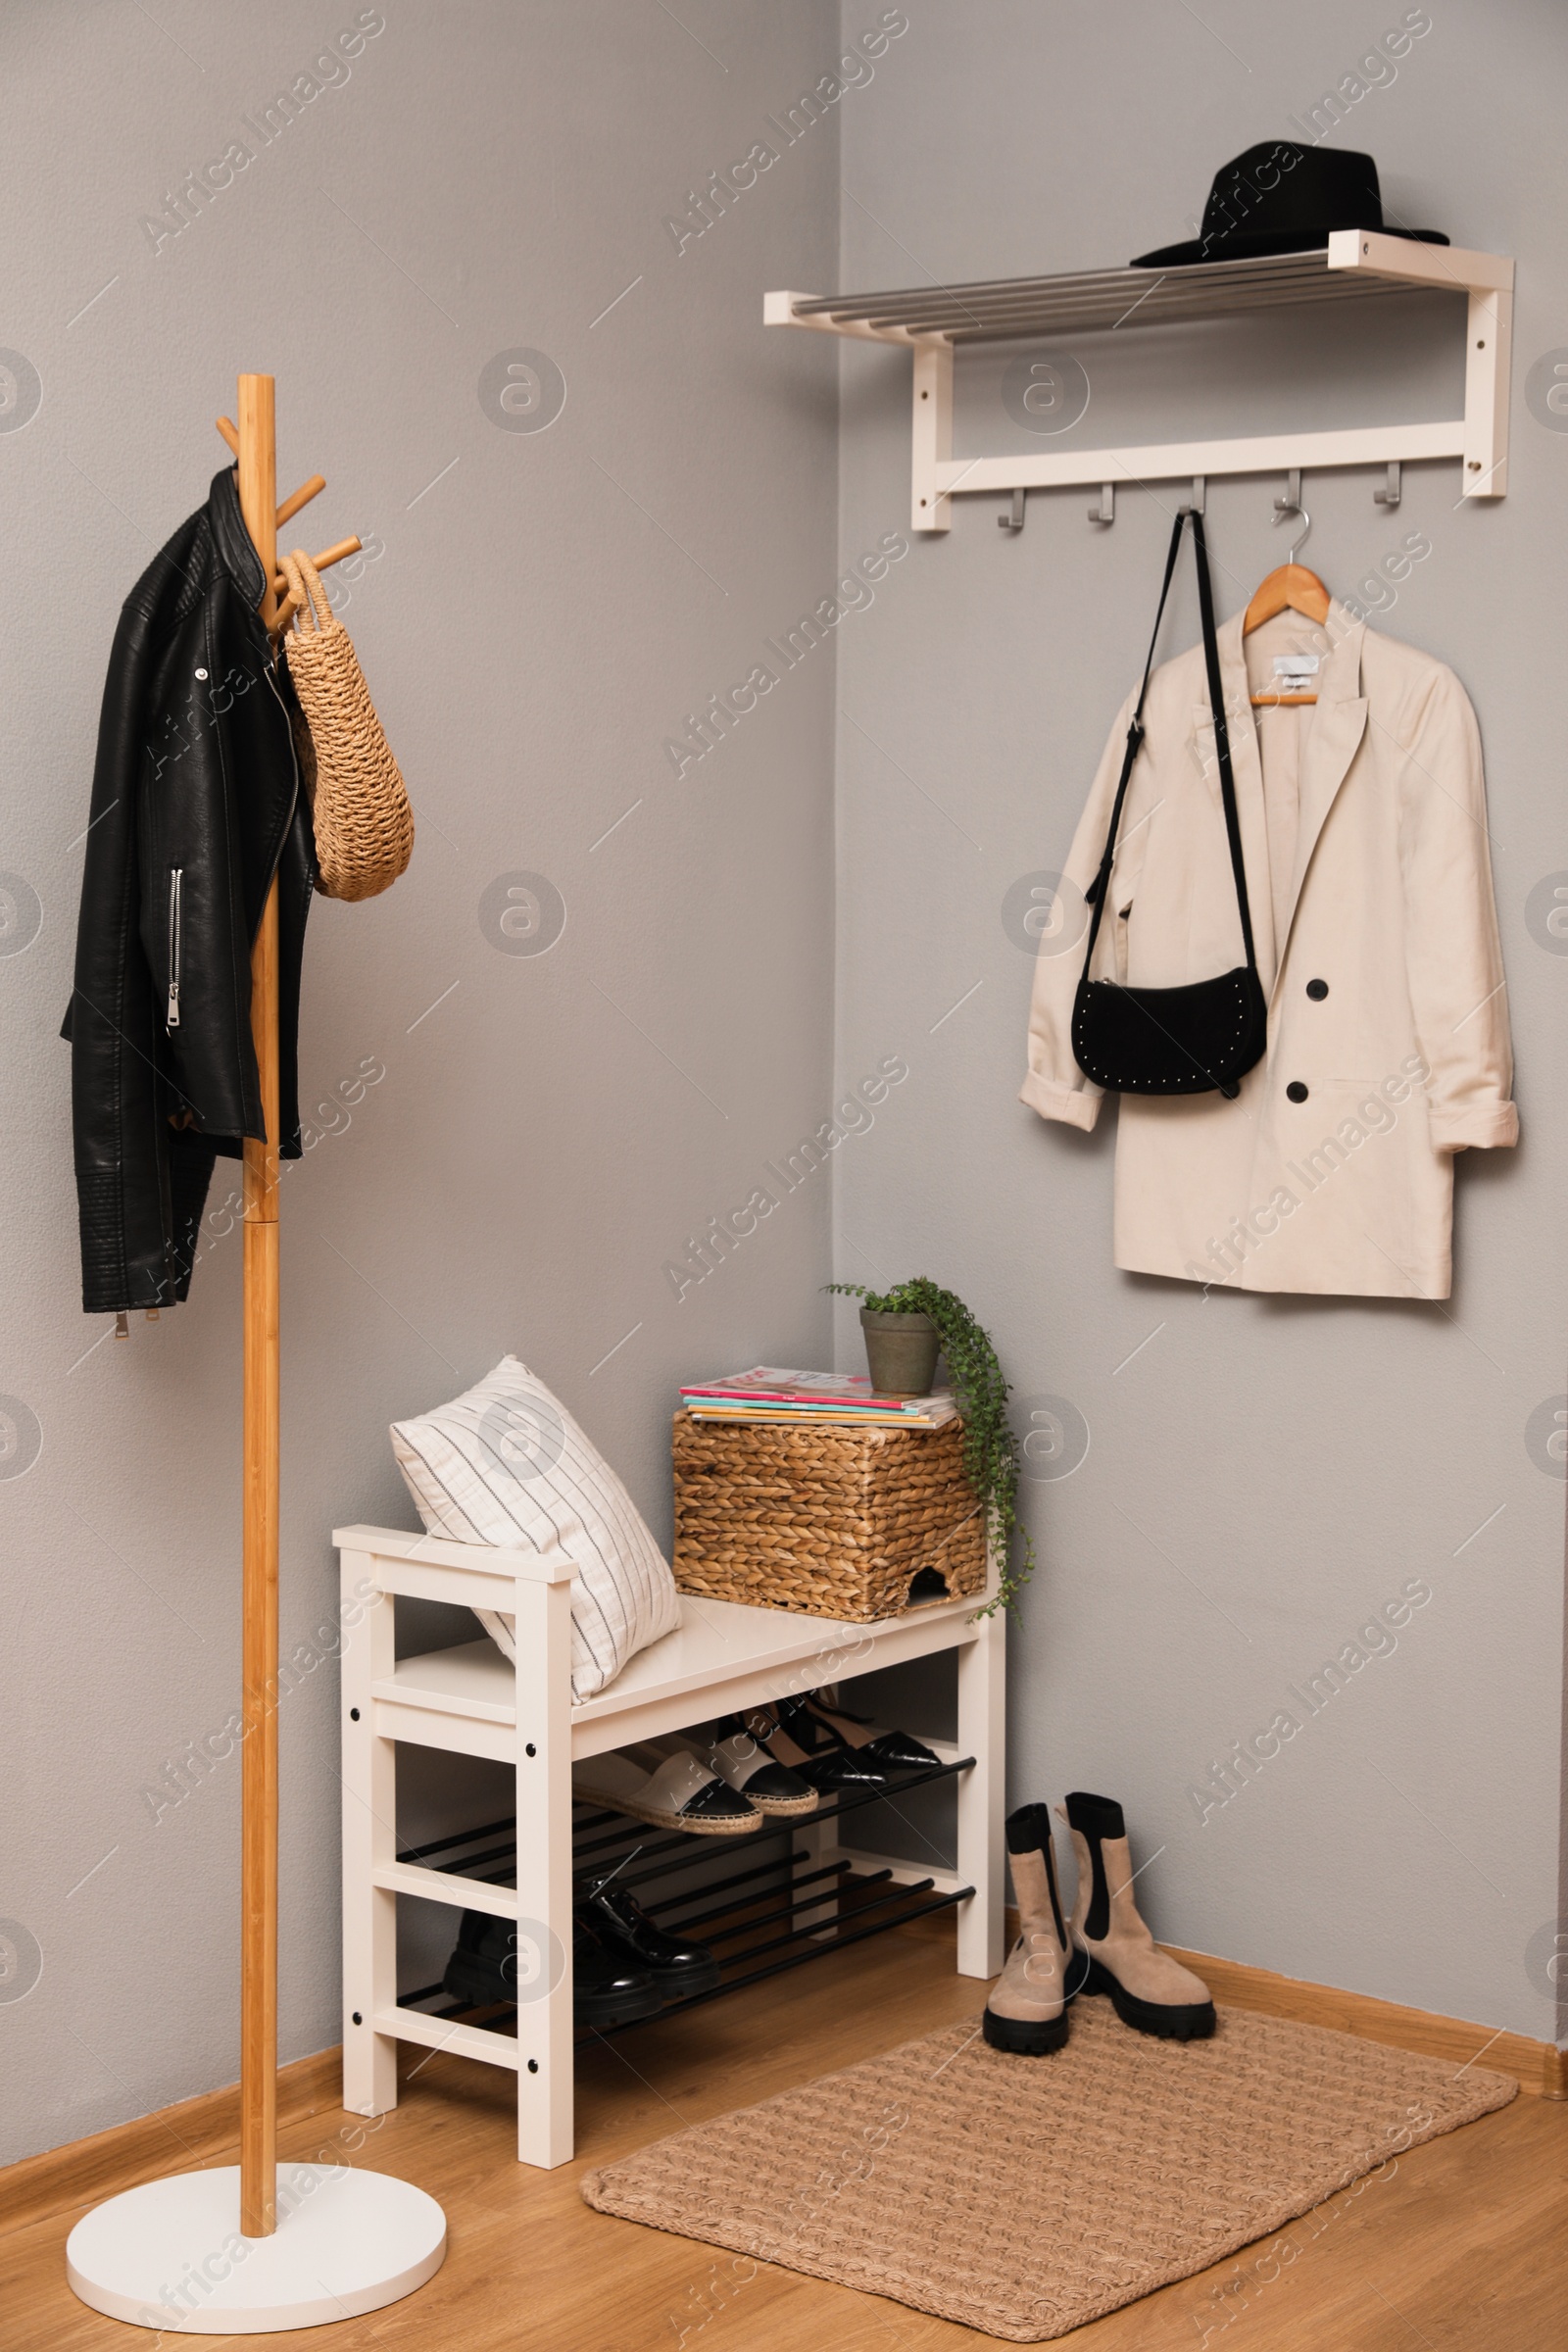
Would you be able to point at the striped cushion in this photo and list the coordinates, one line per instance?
(506, 1465)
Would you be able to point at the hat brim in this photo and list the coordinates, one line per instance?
(1242, 245)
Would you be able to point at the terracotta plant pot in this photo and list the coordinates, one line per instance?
(902, 1352)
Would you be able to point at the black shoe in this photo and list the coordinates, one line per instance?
(895, 1751)
(677, 1969)
(607, 1991)
(609, 1988)
(792, 1734)
(740, 1758)
(811, 1738)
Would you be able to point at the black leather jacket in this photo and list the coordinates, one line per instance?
(195, 801)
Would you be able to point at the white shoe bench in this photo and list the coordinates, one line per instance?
(472, 1700)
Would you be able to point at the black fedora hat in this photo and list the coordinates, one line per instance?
(1283, 198)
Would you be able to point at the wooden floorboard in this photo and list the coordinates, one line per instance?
(1461, 2246)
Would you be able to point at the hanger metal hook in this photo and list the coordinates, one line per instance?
(1290, 504)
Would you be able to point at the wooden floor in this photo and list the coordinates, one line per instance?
(1464, 2246)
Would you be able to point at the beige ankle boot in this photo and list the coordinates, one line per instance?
(1113, 1951)
(1027, 2012)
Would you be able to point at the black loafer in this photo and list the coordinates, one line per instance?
(677, 1968)
(484, 1967)
(607, 1989)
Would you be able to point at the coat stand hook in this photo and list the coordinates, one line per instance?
(1291, 503)
(1391, 492)
(1195, 504)
(1013, 522)
(1105, 512)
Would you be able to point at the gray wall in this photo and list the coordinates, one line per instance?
(541, 611)
(1262, 1474)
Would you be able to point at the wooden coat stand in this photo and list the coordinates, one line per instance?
(344, 2241)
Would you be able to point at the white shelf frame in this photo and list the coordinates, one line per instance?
(1369, 260)
(470, 1700)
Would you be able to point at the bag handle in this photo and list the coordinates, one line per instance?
(304, 587)
(1222, 737)
(1096, 894)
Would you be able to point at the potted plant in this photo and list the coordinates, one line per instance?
(906, 1328)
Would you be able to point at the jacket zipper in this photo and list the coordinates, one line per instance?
(294, 771)
(176, 875)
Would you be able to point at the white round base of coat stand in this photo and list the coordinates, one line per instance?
(169, 2255)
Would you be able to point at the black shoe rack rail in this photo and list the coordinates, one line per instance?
(759, 1920)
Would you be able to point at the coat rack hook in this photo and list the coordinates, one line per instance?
(1195, 504)
(301, 497)
(1391, 492)
(1105, 512)
(1013, 522)
(1291, 503)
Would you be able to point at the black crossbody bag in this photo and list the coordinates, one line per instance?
(1174, 1041)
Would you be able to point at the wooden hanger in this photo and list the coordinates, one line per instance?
(1289, 588)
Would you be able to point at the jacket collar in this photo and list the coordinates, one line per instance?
(236, 550)
(1339, 722)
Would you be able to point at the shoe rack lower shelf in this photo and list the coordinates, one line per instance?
(801, 1889)
(783, 1891)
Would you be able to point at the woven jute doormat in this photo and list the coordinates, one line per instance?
(1026, 2196)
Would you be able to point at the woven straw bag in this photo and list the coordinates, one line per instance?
(360, 809)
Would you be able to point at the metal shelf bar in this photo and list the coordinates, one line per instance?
(778, 1943)
(675, 1849)
(739, 1878)
(813, 1951)
(442, 1845)
(816, 1948)
(765, 1919)
(792, 1825)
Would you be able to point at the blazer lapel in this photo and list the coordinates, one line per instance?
(1246, 772)
(1339, 723)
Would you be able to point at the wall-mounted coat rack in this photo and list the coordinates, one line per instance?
(934, 321)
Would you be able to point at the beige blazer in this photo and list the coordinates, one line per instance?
(1364, 830)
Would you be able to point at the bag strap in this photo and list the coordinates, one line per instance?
(1222, 738)
(1096, 894)
(305, 586)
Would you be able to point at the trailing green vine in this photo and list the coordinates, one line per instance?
(989, 1446)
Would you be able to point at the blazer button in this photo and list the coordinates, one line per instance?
(1317, 990)
(1296, 1091)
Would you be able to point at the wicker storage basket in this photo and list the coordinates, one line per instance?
(816, 1516)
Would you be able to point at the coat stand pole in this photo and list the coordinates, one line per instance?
(258, 2040)
(231, 2251)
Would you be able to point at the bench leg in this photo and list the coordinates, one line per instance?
(370, 1839)
(543, 1618)
(982, 1796)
